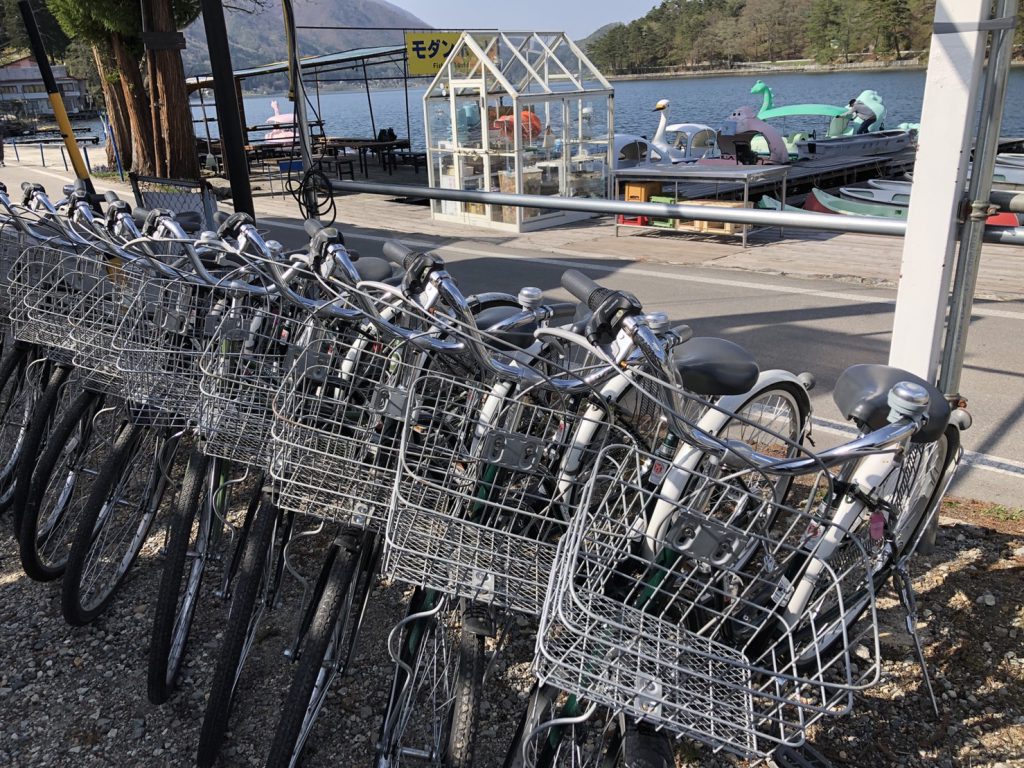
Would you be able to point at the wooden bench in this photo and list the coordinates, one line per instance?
(415, 159)
(340, 164)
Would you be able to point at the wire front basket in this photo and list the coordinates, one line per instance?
(74, 303)
(488, 479)
(336, 425)
(164, 333)
(12, 243)
(243, 365)
(712, 610)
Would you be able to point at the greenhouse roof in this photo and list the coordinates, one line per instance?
(520, 64)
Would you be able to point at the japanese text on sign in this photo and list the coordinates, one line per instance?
(427, 51)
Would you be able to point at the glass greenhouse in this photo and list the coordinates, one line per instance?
(519, 112)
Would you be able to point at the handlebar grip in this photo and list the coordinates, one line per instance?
(140, 215)
(110, 196)
(233, 223)
(26, 186)
(395, 252)
(312, 226)
(584, 288)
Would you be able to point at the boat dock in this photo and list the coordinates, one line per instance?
(692, 182)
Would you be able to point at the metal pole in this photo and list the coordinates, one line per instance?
(955, 66)
(64, 158)
(42, 157)
(109, 130)
(228, 115)
(85, 154)
(299, 101)
(405, 86)
(56, 102)
(823, 222)
(979, 187)
(369, 101)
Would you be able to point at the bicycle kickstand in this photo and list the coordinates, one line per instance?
(904, 587)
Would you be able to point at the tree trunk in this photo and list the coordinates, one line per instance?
(137, 103)
(177, 133)
(113, 96)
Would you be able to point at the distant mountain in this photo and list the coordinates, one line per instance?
(593, 37)
(258, 38)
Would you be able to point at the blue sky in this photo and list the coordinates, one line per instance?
(578, 18)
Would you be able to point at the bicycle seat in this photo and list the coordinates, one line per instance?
(371, 268)
(711, 366)
(862, 394)
(521, 337)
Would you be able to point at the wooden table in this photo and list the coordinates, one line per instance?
(385, 149)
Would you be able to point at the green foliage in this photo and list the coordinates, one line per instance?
(12, 28)
(715, 32)
(96, 20)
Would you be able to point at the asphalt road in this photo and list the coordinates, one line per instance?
(820, 326)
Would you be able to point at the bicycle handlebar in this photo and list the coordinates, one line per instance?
(588, 291)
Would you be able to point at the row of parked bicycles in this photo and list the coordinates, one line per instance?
(645, 502)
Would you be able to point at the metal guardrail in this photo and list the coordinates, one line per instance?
(824, 222)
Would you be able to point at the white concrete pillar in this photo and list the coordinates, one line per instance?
(952, 87)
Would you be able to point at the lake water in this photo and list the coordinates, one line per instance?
(701, 100)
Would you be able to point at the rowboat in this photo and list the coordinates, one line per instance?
(1010, 158)
(877, 143)
(877, 195)
(822, 202)
(893, 184)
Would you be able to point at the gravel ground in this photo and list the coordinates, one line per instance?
(77, 697)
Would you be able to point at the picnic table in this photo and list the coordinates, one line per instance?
(385, 150)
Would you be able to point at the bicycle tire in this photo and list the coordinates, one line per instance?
(189, 542)
(425, 641)
(645, 748)
(102, 530)
(47, 506)
(830, 629)
(772, 399)
(243, 619)
(46, 413)
(463, 723)
(15, 416)
(594, 742)
(316, 670)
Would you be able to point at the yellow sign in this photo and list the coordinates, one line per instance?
(427, 51)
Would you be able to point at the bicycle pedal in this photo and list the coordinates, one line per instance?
(804, 756)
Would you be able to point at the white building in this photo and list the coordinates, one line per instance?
(22, 91)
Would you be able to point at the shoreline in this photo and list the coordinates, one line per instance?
(809, 69)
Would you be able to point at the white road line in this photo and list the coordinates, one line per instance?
(856, 298)
(982, 461)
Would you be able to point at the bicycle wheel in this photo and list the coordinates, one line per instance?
(18, 394)
(556, 730)
(250, 597)
(437, 684)
(51, 498)
(116, 519)
(915, 491)
(771, 421)
(321, 657)
(43, 415)
(199, 507)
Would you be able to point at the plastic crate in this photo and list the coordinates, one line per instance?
(665, 223)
